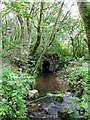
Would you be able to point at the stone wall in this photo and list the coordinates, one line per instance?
(50, 63)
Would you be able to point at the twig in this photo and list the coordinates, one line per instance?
(38, 99)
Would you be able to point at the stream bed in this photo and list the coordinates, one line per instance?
(54, 108)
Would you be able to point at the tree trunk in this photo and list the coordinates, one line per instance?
(38, 30)
(84, 9)
(29, 25)
(22, 32)
(0, 48)
(51, 39)
(85, 14)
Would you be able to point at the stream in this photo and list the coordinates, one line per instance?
(50, 108)
(50, 82)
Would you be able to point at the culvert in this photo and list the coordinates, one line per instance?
(46, 66)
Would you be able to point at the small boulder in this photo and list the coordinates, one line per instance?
(33, 94)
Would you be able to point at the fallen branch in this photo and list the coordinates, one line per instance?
(38, 99)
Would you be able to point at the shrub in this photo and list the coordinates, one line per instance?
(14, 91)
(77, 76)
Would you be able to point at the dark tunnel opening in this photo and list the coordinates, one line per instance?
(46, 66)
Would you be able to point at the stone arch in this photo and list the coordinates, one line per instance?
(50, 63)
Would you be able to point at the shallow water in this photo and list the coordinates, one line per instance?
(49, 82)
(50, 108)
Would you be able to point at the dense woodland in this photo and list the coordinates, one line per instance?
(43, 38)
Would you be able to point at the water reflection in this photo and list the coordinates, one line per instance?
(49, 82)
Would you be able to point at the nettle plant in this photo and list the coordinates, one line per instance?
(14, 91)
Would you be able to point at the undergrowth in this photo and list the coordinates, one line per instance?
(77, 76)
(15, 86)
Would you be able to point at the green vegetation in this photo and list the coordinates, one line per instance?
(36, 31)
(77, 76)
(14, 91)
